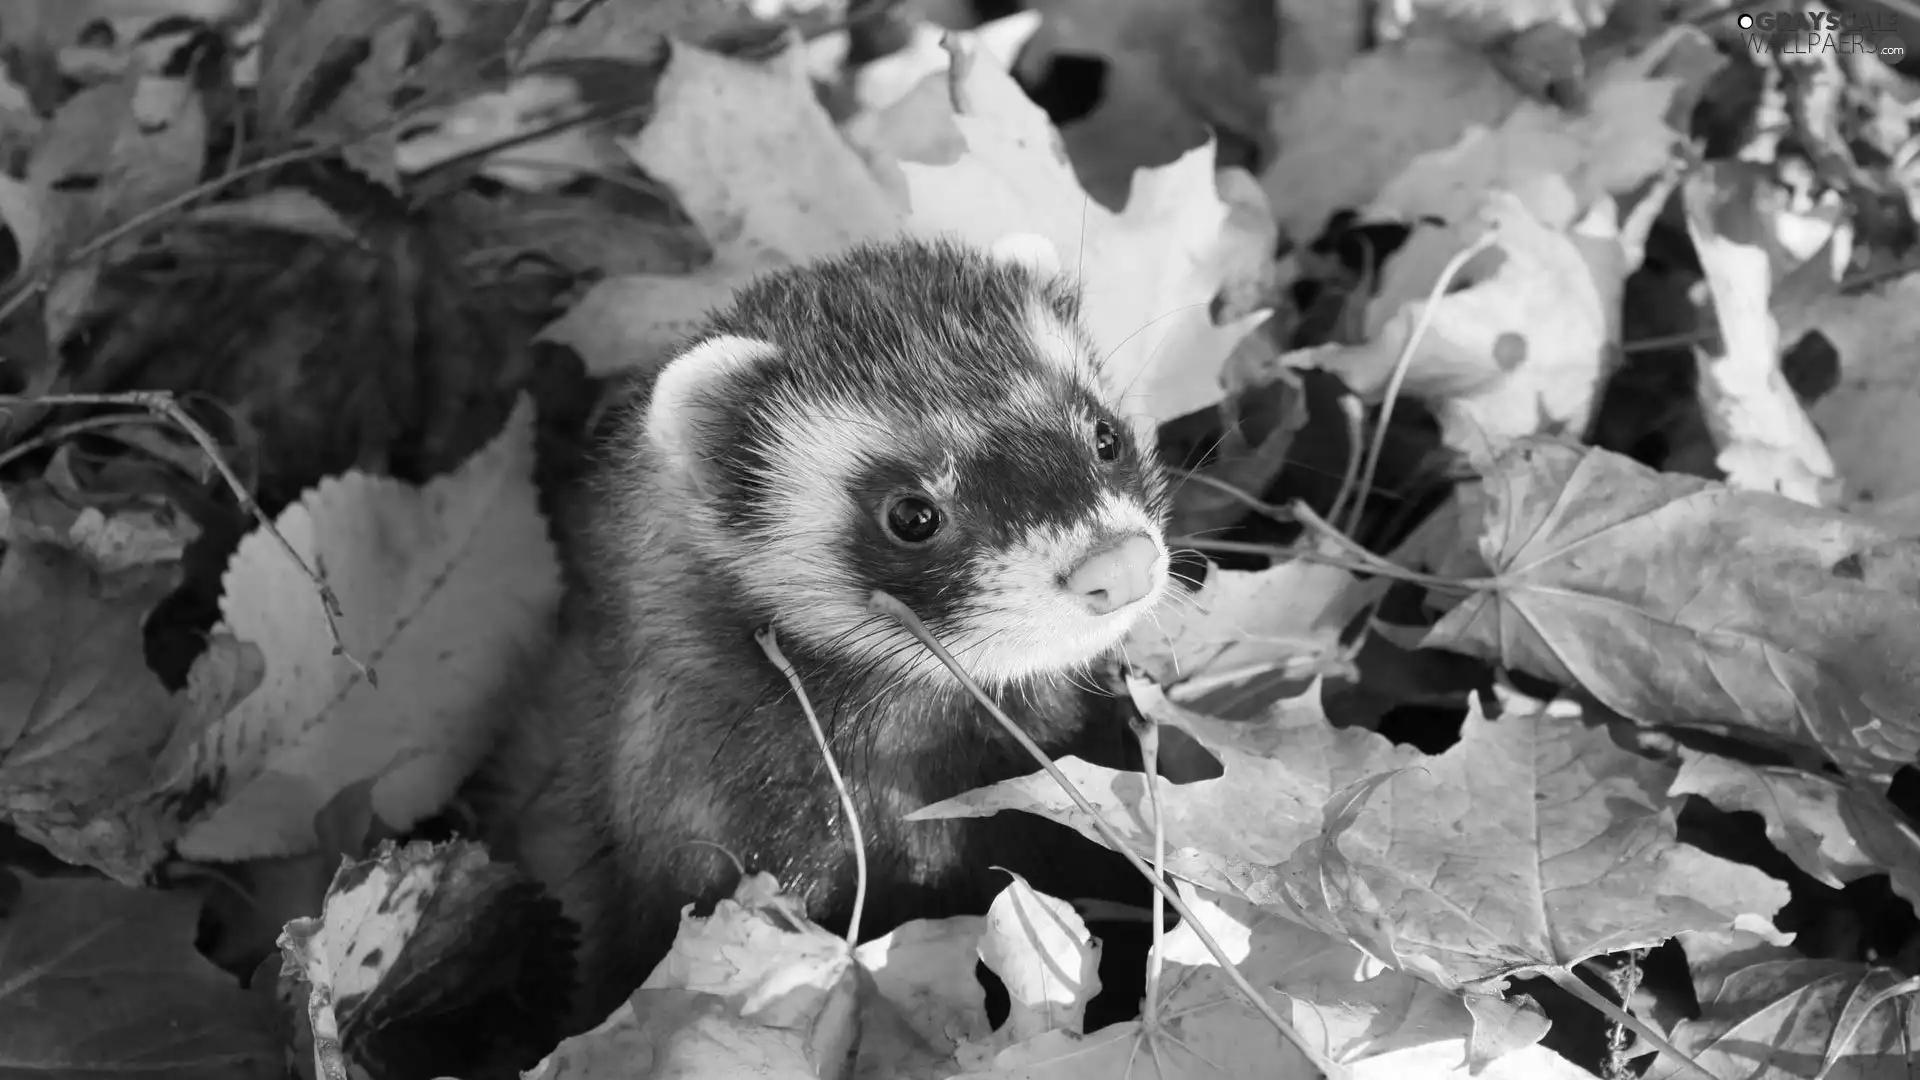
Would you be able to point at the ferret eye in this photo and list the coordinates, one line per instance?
(1106, 441)
(912, 520)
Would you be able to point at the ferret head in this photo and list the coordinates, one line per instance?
(925, 419)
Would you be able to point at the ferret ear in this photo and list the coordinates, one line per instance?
(1030, 250)
(686, 398)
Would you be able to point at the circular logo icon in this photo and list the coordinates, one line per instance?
(1892, 49)
(1746, 22)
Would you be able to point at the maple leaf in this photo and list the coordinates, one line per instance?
(1675, 600)
(1375, 1021)
(440, 586)
(1532, 844)
(1244, 631)
(1149, 273)
(1278, 773)
(97, 979)
(760, 169)
(754, 987)
(1801, 1017)
(1828, 826)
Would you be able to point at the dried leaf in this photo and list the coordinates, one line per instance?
(82, 720)
(1533, 843)
(98, 979)
(1278, 773)
(1674, 600)
(440, 587)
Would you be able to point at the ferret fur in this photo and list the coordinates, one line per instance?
(741, 488)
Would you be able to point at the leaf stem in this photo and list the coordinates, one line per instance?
(771, 647)
(1575, 985)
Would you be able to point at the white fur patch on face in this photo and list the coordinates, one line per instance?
(1060, 344)
(1025, 623)
(943, 484)
(794, 569)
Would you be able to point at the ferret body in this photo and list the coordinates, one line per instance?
(926, 419)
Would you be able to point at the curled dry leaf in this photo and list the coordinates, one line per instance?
(440, 587)
(753, 988)
(1042, 952)
(1675, 600)
(1766, 441)
(1246, 632)
(1522, 349)
(1830, 828)
(114, 531)
(417, 939)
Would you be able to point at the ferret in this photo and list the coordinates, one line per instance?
(926, 418)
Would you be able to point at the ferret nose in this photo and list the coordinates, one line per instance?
(1113, 577)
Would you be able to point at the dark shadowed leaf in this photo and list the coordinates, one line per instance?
(101, 981)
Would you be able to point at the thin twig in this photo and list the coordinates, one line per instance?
(63, 432)
(1575, 985)
(1447, 273)
(1253, 502)
(1147, 732)
(1354, 414)
(162, 403)
(1367, 560)
(143, 219)
(771, 647)
(885, 604)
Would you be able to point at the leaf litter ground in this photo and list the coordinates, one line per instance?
(1493, 244)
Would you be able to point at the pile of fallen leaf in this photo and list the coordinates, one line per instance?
(1533, 373)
